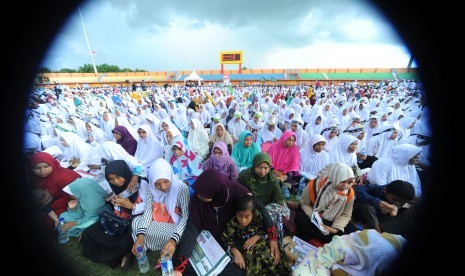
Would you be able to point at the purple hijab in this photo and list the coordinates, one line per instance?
(212, 184)
(127, 141)
(224, 164)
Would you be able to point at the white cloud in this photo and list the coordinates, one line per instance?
(185, 35)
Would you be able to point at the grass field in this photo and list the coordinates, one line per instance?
(72, 253)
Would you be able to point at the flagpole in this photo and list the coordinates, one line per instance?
(88, 44)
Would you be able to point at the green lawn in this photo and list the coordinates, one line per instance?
(72, 252)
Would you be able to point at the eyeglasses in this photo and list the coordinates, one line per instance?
(141, 132)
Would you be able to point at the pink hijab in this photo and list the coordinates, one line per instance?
(284, 159)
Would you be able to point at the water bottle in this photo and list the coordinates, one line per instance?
(142, 259)
(302, 185)
(286, 191)
(127, 193)
(63, 235)
(166, 265)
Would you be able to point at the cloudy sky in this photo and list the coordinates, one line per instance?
(186, 34)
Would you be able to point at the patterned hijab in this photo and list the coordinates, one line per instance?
(187, 165)
(329, 200)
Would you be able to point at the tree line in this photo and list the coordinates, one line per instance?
(89, 68)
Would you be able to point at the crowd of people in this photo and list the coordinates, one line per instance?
(229, 160)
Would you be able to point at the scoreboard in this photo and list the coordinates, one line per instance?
(231, 57)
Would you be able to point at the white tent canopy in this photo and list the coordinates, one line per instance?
(193, 77)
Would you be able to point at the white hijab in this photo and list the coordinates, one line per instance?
(339, 152)
(198, 139)
(396, 166)
(312, 162)
(162, 169)
(148, 149)
(78, 148)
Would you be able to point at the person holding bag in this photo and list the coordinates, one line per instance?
(166, 211)
(102, 246)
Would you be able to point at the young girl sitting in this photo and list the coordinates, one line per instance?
(245, 237)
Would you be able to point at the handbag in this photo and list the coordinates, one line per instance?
(112, 224)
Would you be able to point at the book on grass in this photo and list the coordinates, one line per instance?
(316, 219)
(208, 257)
(301, 249)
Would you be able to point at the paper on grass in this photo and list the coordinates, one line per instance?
(208, 257)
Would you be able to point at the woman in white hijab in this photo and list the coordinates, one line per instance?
(79, 126)
(95, 135)
(331, 135)
(380, 145)
(198, 138)
(165, 125)
(313, 157)
(398, 165)
(154, 123)
(166, 211)
(345, 152)
(77, 151)
(405, 126)
(148, 148)
(108, 124)
(289, 115)
(180, 118)
(300, 135)
(315, 125)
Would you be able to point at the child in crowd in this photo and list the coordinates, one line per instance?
(245, 237)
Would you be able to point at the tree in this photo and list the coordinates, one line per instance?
(44, 69)
(86, 68)
(67, 70)
(105, 68)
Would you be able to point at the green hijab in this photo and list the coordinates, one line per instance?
(267, 188)
(91, 201)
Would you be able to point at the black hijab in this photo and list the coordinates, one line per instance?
(120, 168)
(212, 184)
